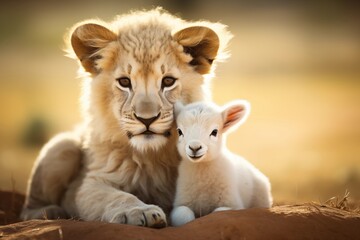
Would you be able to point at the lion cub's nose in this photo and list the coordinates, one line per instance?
(147, 121)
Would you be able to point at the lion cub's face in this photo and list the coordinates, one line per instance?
(145, 87)
(138, 73)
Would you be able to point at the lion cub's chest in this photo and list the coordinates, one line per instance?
(151, 182)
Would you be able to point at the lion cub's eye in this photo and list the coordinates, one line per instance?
(214, 133)
(125, 82)
(180, 133)
(167, 81)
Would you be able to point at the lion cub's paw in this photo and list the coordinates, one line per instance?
(147, 216)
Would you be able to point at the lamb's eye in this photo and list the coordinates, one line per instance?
(180, 133)
(167, 81)
(125, 82)
(214, 133)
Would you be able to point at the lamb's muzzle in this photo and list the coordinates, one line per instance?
(195, 150)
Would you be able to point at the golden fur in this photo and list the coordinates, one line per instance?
(134, 69)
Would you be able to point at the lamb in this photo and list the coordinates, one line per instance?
(211, 178)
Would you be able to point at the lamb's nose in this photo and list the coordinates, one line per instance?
(195, 148)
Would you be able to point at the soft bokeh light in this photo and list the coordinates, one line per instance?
(298, 65)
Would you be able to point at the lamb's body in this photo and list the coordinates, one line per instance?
(217, 180)
(229, 181)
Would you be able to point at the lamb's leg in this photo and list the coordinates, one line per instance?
(58, 161)
(222, 209)
(181, 215)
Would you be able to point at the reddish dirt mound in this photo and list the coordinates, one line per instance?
(10, 207)
(309, 221)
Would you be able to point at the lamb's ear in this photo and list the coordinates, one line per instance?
(178, 107)
(234, 114)
(201, 43)
(87, 40)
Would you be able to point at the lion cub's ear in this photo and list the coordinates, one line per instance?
(87, 40)
(201, 43)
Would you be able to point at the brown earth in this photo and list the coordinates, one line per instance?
(305, 221)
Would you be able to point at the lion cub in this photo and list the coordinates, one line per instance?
(120, 167)
(211, 178)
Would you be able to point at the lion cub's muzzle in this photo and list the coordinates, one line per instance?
(148, 126)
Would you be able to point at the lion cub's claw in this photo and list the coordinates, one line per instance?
(148, 216)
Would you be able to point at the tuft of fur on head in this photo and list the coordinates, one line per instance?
(143, 47)
(201, 126)
(139, 19)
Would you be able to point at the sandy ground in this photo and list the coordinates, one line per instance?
(305, 221)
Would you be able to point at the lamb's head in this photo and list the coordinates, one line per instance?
(201, 126)
(139, 65)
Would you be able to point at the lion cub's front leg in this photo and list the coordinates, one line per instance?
(95, 200)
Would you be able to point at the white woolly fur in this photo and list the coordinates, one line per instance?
(211, 178)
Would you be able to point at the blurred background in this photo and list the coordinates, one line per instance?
(297, 63)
